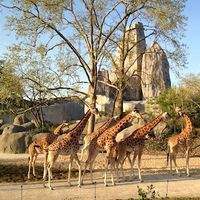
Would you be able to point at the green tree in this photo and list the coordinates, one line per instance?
(11, 89)
(186, 96)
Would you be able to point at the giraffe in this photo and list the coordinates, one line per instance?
(121, 136)
(135, 142)
(92, 136)
(91, 143)
(106, 141)
(68, 144)
(39, 146)
(180, 140)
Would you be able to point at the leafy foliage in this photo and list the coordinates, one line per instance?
(11, 88)
(148, 194)
(187, 96)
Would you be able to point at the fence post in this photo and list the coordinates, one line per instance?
(21, 192)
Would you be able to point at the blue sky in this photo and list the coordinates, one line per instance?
(192, 39)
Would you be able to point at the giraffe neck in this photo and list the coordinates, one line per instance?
(78, 129)
(103, 127)
(141, 132)
(188, 125)
(57, 129)
(116, 128)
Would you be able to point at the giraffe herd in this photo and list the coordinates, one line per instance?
(106, 138)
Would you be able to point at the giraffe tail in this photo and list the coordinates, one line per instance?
(167, 158)
(168, 155)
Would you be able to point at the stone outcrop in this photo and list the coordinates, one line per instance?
(10, 129)
(135, 45)
(103, 88)
(147, 69)
(1, 122)
(28, 126)
(14, 137)
(14, 143)
(58, 112)
(20, 119)
(155, 71)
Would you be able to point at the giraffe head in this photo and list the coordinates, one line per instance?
(165, 115)
(136, 113)
(178, 111)
(64, 126)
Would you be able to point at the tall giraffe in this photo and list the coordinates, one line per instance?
(40, 145)
(95, 134)
(182, 139)
(106, 141)
(91, 143)
(135, 142)
(68, 144)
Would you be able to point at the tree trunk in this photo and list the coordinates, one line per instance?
(92, 103)
(119, 104)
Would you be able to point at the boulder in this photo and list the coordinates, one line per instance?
(14, 143)
(3, 126)
(20, 119)
(9, 129)
(28, 126)
(1, 122)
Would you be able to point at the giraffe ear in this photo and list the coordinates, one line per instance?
(165, 114)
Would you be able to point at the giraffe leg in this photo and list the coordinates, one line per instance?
(133, 162)
(79, 169)
(175, 164)
(187, 161)
(45, 165)
(139, 163)
(121, 159)
(49, 176)
(170, 161)
(29, 165)
(33, 164)
(106, 169)
(85, 167)
(52, 156)
(112, 169)
(92, 154)
(84, 149)
(91, 165)
(69, 172)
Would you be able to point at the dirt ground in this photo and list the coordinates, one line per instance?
(14, 183)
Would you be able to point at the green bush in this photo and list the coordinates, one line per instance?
(148, 194)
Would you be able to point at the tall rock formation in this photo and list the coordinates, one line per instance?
(102, 88)
(135, 47)
(147, 70)
(155, 71)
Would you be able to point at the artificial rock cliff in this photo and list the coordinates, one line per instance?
(155, 71)
(150, 64)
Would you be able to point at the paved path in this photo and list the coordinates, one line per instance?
(173, 186)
